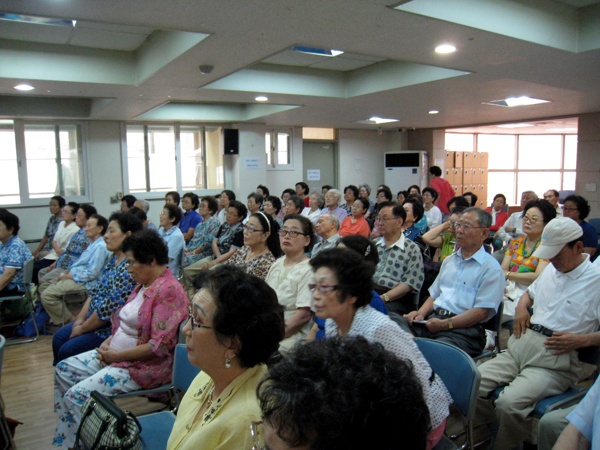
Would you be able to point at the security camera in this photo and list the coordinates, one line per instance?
(206, 69)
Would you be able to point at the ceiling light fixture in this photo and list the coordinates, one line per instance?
(316, 51)
(205, 69)
(445, 48)
(36, 20)
(261, 98)
(24, 87)
(378, 120)
(515, 125)
(434, 111)
(511, 102)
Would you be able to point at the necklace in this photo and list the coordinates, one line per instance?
(210, 397)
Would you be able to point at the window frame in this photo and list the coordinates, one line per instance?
(274, 165)
(153, 195)
(26, 201)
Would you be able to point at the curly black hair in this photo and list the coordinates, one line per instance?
(345, 393)
(147, 246)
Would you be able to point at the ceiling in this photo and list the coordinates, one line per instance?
(140, 60)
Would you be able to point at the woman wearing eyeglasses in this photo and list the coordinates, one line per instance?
(577, 208)
(520, 267)
(139, 352)
(341, 291)
(289, 276)
(235, 326)
(261, 246)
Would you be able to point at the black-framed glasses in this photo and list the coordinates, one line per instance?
(194, 323)
(258, 436)
(323, 288)
(531, 220)
(291, 233)
(251, 229)
(464, 226)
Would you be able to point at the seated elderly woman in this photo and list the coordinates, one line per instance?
(350, 196)
(14, 253)
(107, 293)
(356, 223)
(190, 219)
(230, 341)
(577, 208)
(170, 232)
(414, 213)
(272, 206)
(433, 214)
(499, 216)
(313, 210)
(294, 205)
(443, 236)
(383, 195)
(261, 246)
(139, 352)
(332, 204)
(364, 191)
(200, 246)
(289, 276)
(57, 203)
(341, 288)
(341, 393)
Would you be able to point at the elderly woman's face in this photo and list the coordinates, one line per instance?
(114, 237)
(141, 273)
(164, 219)
(204, 350)
(233, 216)
(5, 233)
(358, 209)
(498, 204)
(362, 192)
(313, 201)
(570, 210)
(349, 195)
(54, 207)
(170, 200)
(326, 299)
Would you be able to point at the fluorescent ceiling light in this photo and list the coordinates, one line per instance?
(445, 48)
(515, 125)
(434, 111)
(37, 20)
(511, 102)
(316, 51)
(377, 120)
(24, 87)
(562, 130)
(261, 98)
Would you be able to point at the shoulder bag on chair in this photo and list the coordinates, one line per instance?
(105, 426)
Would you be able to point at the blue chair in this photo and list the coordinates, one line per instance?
(493, 324)
(156, 427)
(461, 377)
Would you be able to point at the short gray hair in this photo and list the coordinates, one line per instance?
(335, 192)
(367, 188)
(335, 219)
(484, 218)
(320, 198)
(144, 204)
(535, 196)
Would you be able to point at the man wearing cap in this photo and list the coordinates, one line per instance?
(541, 359)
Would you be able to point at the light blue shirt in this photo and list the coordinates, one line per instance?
(476, 282)
(86, 269)
(586, 416)
(176, 244)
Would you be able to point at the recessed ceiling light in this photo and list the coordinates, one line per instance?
(515, 125)
(511, 102)
(262, 98)
(434, 111)
(377, 120)
(316, 51)
(24, 87)
(36, 20)
(445, 48)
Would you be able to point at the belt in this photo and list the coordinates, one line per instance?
(443, 313)
(540, 329)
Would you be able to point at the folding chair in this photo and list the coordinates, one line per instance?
(461, 377)
(493, 324)
(30, 301)
(156, 427)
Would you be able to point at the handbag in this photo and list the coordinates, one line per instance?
(105, 426)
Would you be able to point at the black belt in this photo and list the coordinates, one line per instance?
(441, 312)
(540, 329)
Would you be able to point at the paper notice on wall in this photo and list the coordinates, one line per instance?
(313, 175)
(251, 163)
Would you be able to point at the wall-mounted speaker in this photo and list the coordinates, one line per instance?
(231, 141)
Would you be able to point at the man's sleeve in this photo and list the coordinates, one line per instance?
(414, 273)
(583, 416)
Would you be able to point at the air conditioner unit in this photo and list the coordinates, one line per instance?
(403, 169)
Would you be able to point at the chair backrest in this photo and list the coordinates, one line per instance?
(28, 272)
(2, 343)
(183, 371)
(596, 224)
(494, 323)
(457, 370)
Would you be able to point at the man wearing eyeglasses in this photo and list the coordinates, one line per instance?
(466, 293)
(327, 228)
(399, 274)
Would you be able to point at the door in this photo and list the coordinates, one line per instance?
(319, 161)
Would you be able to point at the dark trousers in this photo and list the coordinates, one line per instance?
(64, 347)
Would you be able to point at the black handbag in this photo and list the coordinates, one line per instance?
(105, 426)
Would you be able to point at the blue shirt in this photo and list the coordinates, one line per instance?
(204, 234)
(51, 229)
(476, 282)
(112, 290)
(190, 219)
(175, 244)
(87, 268)
(586, 416)
(75, 248)
(13, 255)
(590, 237)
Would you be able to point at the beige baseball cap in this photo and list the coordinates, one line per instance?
(556, 234)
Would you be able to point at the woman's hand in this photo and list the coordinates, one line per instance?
(77, 330)
(108, 356)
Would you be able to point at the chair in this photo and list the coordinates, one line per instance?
(2, 344)
(461, 377)
(30, 302)
(493, 324)
(156, 427)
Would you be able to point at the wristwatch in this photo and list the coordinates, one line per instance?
(385, 297)
(450, 324)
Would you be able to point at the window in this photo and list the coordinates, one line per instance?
(161, 158)
(278, 148)
(40, 160)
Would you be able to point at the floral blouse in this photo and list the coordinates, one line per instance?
(258, 267)
(204, 234)
(164, 307)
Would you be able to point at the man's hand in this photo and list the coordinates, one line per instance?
(564, 342)
(437, 325)
(413, 315)
(521, 321)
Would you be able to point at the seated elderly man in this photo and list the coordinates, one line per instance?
(400, 269)
(467, 291)
(332, 204)
(13, 255)
(327, 228)
(144, 205)
(541, 359)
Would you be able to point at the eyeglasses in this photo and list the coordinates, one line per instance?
(291, 233)
(193, 322)
(531, 220)
(464, 226)
(251, 229)
(130, 263)
(258, 436)
(323, 288)
(231, 214)
(385, 219)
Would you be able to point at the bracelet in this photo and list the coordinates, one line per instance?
(507, 273)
